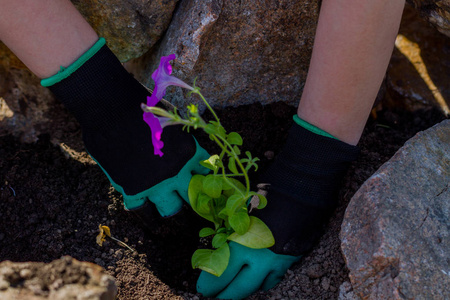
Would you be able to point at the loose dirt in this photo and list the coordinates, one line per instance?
(53, 198)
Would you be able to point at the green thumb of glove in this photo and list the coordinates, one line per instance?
(248, 271)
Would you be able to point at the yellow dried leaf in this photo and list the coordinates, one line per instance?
(104, 232)
(107, 231)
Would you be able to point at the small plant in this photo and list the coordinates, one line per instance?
(218, 197)
(104, 232)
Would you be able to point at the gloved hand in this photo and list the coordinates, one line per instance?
(106, 100)
(304, 180)
(248, 271)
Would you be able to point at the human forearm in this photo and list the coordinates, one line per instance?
(353, 45)
(45, 34)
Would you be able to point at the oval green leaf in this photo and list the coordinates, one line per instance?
(203, 204)
(195, 187)
(234, 202)
(240, 222)
(204, 232)
(219, 239)
(214, 262)
(232, 165)
(258, 235)
(234, 138)
(212, 185)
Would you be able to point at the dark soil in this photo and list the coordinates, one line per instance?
(52, 202)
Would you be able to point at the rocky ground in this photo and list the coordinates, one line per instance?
(52, 201)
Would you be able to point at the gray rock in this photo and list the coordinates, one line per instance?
(130, 27)
(396, 231)
(241, 51)
(61, 279)
(437, 12)
(24, 104)
(346, 292)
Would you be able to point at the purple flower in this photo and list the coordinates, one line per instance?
(162, 80)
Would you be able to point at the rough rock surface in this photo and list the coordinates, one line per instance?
(24, 104)
(62, 279)
(437, 12)
(241, 51)
(130, 27)
(396, 231)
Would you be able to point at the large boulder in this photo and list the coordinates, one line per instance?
(437, 12)
(241, 51)
(130, 27)
(396, 231)
(62, 279)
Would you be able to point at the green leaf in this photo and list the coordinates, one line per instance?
(258, 235)
(212, 185)
(226, 185)
(236, 150)
(195, 187)
(231, 191)
(219, 239)
(204, 232)
(240, 222)
(219, 130)
(233, 203)
(232, 165)
(234, 138)
(211, 163)
(198, 202)
(203, 204)
(251, 162)
(223, 213)
(214, 262)
(262, 201)
(221, 230)
(257, 201)
(210, 129)
(220, 203)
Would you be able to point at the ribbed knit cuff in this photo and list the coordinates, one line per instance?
(98, 90)
(311, 127)
(66, 72)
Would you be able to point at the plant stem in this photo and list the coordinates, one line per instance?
(236, 157)
(207, 104)
(122, 243)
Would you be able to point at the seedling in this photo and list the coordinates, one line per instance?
(106, 232)
(219, 197)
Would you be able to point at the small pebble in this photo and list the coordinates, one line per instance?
(3, 285)
(2, 236)
(25, 273)
(315, 271)
(99, 262)
(325, 283)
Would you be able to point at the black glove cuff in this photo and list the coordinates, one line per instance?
(304, 181)
(310, 166)
(101, 92)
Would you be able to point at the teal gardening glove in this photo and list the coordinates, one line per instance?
(106, 101)
(304, 181)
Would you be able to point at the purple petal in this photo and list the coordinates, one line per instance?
(156, 130)
(162, 79)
